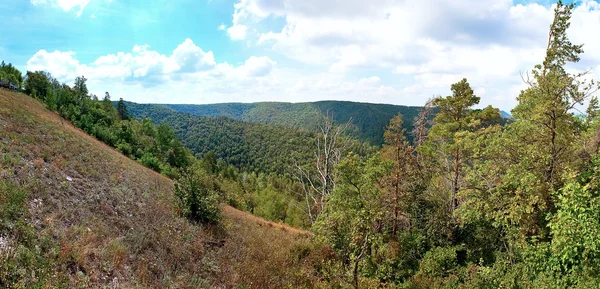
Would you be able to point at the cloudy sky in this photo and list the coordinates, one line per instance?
(210, 51)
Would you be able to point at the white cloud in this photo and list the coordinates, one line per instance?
(427, 44)
(76, 6)
(392, 51)
(258, 66)
(190, 75)
(62, 64)
(237, 31)
(190, 57)
(146, 75)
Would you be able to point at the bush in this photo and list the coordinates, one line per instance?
(150, 161)
(439, 262)
(198, 201)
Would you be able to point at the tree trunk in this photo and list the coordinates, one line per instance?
(455, 187)
(396, 193)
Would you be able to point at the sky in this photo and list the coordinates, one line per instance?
(213, 51)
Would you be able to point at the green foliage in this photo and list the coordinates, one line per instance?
(471, 205)
(151, 161)
(37, 84)
(249, 147)
(350, 219)
(271, 204)
(575, 227)
(122, 109)
(9, 73)
(369, 120)
(198, 201)
(155, 147)
(439, 262)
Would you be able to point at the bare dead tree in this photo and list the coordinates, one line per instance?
(318, 183)
(422, 122)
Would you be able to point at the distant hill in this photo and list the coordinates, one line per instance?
(505, 114)
(254, 147)
(75, 213)
(369, 120)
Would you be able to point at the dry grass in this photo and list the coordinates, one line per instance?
(114, 221)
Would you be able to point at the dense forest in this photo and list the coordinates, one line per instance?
(250, 147)
(469, 201)
(368, 119)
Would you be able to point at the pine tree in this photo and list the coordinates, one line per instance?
(122, 109)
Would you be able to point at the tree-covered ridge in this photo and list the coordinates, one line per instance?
(368, 119)
(251, 147)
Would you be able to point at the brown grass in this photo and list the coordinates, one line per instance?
(114, 220)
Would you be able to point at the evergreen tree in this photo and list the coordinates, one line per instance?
(529, 160)
(122, 109)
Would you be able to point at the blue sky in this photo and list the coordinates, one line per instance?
(210, 51)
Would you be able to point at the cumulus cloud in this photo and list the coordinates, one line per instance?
(237, 31)
(258, 66)
(393, 51)
(427, 44)
(76, 6)
(191, 75)
(62, 64)
(188, 69)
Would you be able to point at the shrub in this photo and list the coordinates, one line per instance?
(150, 161)
(198, 201)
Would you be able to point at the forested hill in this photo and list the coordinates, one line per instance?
(369, 120)
(248, 146)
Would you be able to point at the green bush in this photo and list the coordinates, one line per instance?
(150, 161)
(439, 262)
(198, 201)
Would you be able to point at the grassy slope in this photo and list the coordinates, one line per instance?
(111, 222)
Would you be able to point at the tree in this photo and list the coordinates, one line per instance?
(397, 149)
(209, 161)
(319, 182)
(122, 109)
(80, 87)
(198, 201)
(164, 137)
(450, 147)
(37, 83)
(592, 111)
(575, 227)
(9, 73)
(422, 122)
(350, 222)
(533, 153)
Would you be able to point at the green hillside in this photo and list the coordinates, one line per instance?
(369, 120)
(248, 146)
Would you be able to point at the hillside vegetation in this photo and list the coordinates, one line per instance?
(249, 147)
(473, 201)
(368, 120)
(76, 213)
